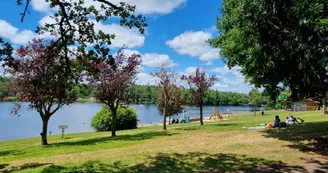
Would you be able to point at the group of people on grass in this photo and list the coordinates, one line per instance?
(175, 121)
(290, 120)
(182, 120)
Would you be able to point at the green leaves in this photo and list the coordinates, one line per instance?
(276, 41)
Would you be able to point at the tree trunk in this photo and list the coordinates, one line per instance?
(164, 120)
(114, 112)
(44, 131)
(254, 111)
(201, 114)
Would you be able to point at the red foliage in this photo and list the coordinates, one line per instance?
(169, 100)
(40, 78)
(113, 77)
(199, 83)
(113, 80)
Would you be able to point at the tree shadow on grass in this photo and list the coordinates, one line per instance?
(187, 128)
(135, 137)
(307, 137)
(184, 163)
(2, 166)
(223, 124)
(10, 152)
(23, 167)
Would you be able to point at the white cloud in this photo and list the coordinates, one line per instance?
(129, 52)
(152, 59)
(156, 6)
(230, 80)
(46, 19)
(157, 60)
(236, 79)
(41, 6)
(225, 69)
(124, 36)
(191, 43)
(146, 6)
(10, 32)
(131, 38)
(242, 88)
(194, 44)
(7, 29)
(209, 63)
(191, 70)
(145, 79)
(210, 55)
(142, 6)
(227, 80)
(23, 37)
(219, 86)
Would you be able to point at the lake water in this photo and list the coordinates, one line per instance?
(78, 117)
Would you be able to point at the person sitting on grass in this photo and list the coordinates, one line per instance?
(276, 122)
(292, 120)
(173, 121)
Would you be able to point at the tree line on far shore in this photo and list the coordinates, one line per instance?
(148, 94)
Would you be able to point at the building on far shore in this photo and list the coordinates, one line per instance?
(305, 105)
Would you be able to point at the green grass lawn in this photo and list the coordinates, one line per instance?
(217, 146)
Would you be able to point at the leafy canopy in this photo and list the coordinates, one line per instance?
(199, 83)
(73, 25)
(126, 119)
(277, 43)
(39, 78)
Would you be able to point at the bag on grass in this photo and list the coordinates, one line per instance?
(299, 120)
(283, 124)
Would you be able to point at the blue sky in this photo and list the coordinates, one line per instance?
(176, 36)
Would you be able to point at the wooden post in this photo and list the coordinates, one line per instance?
(63, 127)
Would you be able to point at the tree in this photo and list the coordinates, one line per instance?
(199, 83)
(148, 92)
(41, 81)
(278, 44)
(254, 98)
(126, 119)
(170, 99)
(173, 106)
(72, 25)
(112, 78)
(6, 53)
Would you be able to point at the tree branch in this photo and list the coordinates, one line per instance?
(108, 3)
(25, 10)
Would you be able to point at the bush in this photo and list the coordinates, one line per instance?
(126, 119)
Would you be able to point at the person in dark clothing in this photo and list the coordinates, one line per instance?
(173, 121)
(276, 122)
(177, 121)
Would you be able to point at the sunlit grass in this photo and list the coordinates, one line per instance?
(150, 146)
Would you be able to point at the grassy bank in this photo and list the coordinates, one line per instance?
(214, 147)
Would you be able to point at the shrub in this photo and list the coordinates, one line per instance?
(126, 119)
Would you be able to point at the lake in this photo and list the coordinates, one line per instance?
(78, 117)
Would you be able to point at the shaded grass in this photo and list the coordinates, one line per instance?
(213, 147)
(24, 167)
(95, 141)
(181, 163)
(308, 137)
